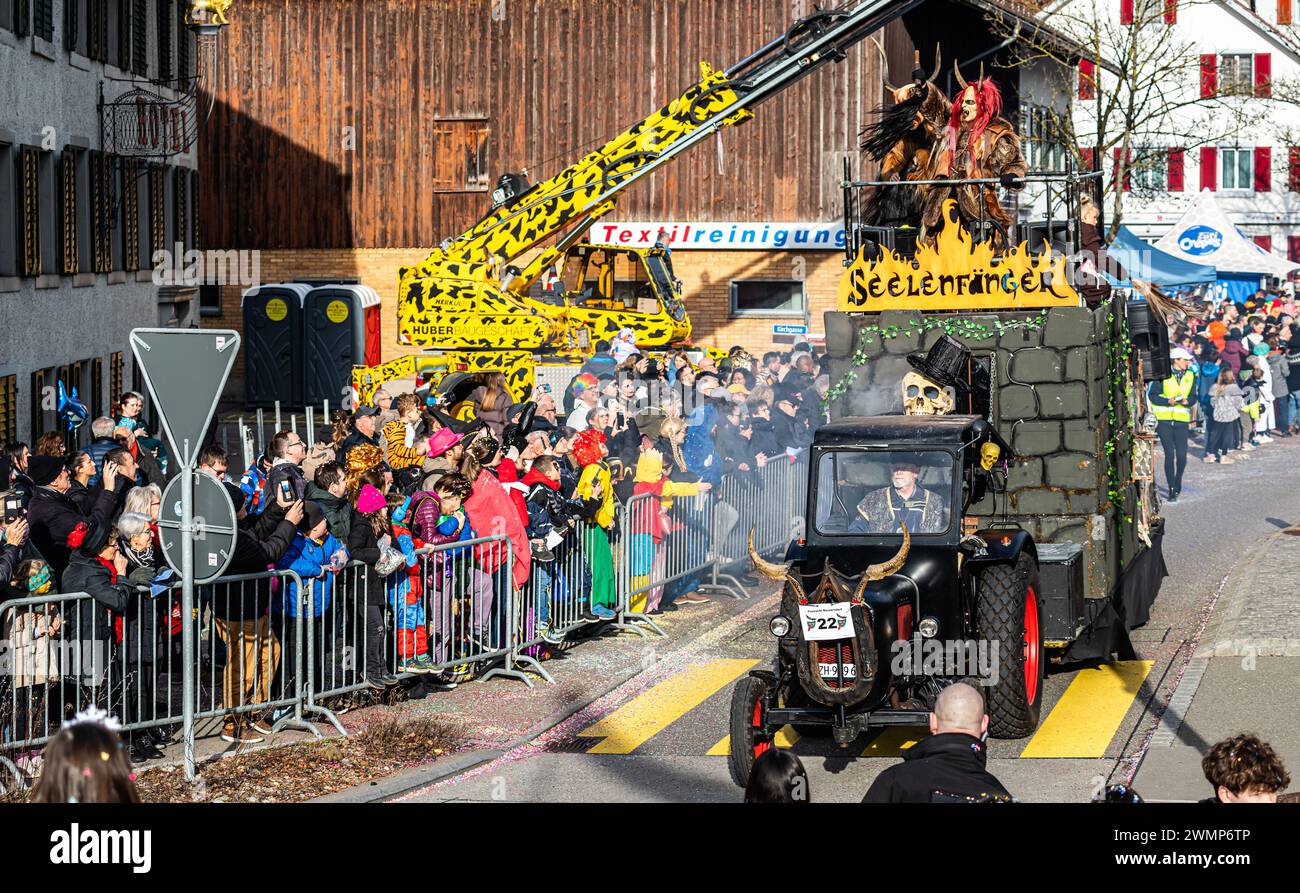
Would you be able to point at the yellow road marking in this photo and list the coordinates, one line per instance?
(648, 714)
(892, 741)
(1089, 713)
(785, 736)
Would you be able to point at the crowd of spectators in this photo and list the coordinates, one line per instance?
(553, 476)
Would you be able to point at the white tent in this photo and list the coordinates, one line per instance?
(1205, 235)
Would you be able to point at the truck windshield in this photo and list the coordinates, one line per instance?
(876, 492)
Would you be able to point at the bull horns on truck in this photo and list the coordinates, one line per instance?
(876, 572)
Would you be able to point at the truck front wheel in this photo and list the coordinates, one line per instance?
(749, 737)
(1008, 611)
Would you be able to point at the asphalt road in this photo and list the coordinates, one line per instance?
(662, 736)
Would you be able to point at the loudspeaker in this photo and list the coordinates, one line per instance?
(1150, 338)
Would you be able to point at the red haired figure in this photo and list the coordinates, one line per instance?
(976, 144)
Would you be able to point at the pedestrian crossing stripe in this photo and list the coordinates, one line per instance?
(1086, 718)
(785, 736)
(891, 742)
(652, 711)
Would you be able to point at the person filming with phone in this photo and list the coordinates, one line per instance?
(52, 514)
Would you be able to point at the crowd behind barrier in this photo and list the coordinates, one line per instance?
(407, 549)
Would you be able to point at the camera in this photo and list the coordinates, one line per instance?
(11, 503)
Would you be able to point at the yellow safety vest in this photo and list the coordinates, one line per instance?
(1172, 387)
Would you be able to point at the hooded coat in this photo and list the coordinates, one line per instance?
(490, 511)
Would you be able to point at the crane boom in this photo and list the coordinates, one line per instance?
(455, 298)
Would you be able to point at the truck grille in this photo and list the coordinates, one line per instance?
(835, 661)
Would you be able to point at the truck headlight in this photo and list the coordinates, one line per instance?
(780, 626)
(928, 627)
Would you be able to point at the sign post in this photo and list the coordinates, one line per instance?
(185, 371)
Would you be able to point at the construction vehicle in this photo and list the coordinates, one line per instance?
(472, 309)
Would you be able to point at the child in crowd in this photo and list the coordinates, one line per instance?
(405, 450)
(32, 632)
(86, 763)
(405, 588)
(457, 578)
(549, 521)
(1222, 422)
(595, 494)
(650, 523)
(316, 557)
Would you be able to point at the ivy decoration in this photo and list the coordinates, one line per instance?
(956, 326)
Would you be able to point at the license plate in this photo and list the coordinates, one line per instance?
(831, 671)
(826, 622)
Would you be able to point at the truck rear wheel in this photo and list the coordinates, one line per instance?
(1007, 612)
(749, 737)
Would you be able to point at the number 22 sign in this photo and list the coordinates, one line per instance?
(826, 621)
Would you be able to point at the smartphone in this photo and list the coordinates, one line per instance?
(12, 506)
(286, 491)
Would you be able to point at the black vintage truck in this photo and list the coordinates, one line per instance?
(1034, 534)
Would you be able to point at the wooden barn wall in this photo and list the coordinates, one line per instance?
(293, 82)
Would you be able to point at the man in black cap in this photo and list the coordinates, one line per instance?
(365, 421)
(949, 766)
(52, 514)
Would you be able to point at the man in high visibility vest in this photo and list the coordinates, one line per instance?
(1171, 401)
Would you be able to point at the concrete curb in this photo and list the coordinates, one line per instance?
(413, 779)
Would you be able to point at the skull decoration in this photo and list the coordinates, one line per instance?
(921, 396)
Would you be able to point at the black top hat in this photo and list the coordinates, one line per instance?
(945, 364)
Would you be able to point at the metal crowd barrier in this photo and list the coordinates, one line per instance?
(272, 646)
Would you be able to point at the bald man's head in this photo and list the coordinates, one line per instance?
(959, 708)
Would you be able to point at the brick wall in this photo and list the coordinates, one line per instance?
(706, 278)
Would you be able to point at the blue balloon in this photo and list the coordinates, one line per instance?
(73, 412)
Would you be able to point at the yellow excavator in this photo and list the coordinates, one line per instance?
(474, 310)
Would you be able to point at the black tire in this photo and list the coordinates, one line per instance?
(746, 737)
(1015, 702)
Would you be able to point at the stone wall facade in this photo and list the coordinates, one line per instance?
(1051, 400)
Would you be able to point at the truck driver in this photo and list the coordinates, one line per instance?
(886, 509)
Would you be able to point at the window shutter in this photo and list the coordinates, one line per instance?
(1293, 249)
(1284, 12)
(130, 215)
(1209, 167)
(70, 25)
(140, 38)
(1263, 169)
(123, 60)
(182, 46)
(1171, 12)
(1088, 158)
(1209, 75)
(1264, 75)
(164, 23)
(68, 212)
(29, 211)
(1265, 242)
(1126, 12)
(157, 208)
(1175, 170)
(23, 18)
(1087, 82)
(1293, 169)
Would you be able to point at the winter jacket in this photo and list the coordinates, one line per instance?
(308, 558)
(52, 516)
(356, 438)
(82, 496)
(599, 510)
(1293, 364)
(93, 616)
(701, 454)
(764, 440)
(24, 487)
(494, 418)
(735, 450)
(547, 510)
(253, 483)
(254, 555)
(97, 450)
(507, 473)
(283, 471)
(491, 512)
(1235, 354)
(1279, 368)
(949, 767)
(650, 516)
(338, 510)
(1226, 406)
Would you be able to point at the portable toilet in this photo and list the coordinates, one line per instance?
(273, 344)
(340, 330)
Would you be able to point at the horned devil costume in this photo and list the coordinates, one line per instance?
(926, 137)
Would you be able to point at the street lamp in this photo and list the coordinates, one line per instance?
(206, 17)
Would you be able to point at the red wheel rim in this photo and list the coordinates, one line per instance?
(1031, 645)
(760, 747)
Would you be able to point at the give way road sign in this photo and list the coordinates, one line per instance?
(185, 370)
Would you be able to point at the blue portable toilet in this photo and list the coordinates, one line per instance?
(273, 344)
(340, 330)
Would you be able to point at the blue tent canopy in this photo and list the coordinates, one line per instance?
(1155, 266)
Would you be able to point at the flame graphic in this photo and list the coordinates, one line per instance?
(956, 274)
